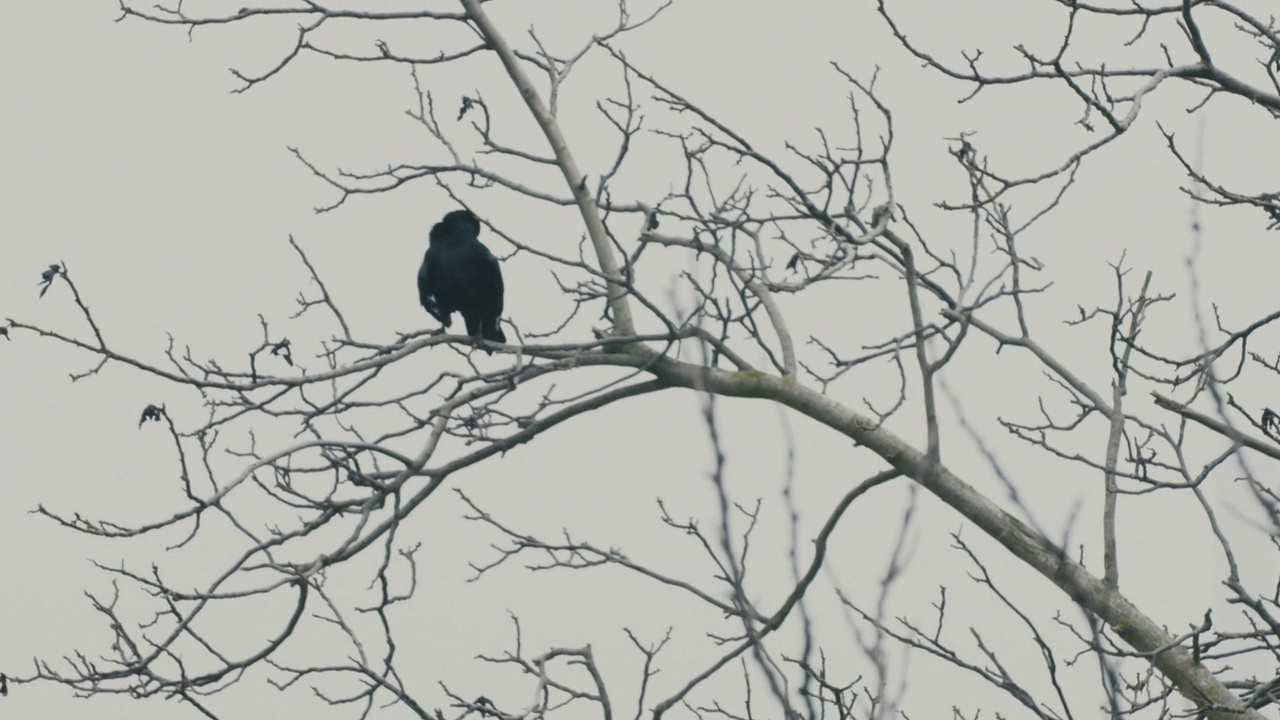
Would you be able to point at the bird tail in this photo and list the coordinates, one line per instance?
(492, 331)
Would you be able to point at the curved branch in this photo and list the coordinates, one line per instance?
(577, 182)
(1176, 662)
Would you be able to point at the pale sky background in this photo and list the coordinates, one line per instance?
(126, 156)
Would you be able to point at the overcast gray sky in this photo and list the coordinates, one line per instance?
(170, 199)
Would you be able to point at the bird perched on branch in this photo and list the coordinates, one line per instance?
(459, 273)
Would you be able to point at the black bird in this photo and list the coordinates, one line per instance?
(459, 273)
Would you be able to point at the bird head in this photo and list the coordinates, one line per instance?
(456, 225)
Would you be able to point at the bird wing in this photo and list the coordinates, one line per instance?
(426, 294)
(491, 272)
